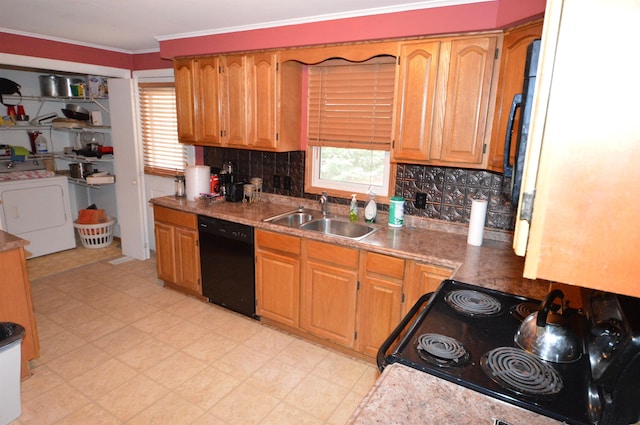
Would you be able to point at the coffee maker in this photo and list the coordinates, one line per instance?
(231, 190)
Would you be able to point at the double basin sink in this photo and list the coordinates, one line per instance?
(306, 219)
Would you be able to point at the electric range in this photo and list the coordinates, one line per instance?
(465, 334)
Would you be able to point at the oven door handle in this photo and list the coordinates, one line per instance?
(382, 351)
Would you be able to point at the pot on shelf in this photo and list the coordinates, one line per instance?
(551, 336)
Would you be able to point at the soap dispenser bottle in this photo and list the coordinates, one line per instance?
(371, 209)
(353, 210)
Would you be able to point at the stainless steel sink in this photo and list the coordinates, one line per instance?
(313, 220)
(294, 218)
(339, 227)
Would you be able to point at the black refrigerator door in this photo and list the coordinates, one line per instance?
(525, 101)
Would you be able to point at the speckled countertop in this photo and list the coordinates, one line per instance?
(406, 396)
(492, 265)
(9, 242)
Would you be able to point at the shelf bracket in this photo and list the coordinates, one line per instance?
(100, 106)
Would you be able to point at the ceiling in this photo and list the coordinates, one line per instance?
(136, 26)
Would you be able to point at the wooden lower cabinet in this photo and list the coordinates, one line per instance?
(329, 292)
(16, 305)
(346, 297)
(177, 249)
(421, 278)
(278, 277)
(380, 299)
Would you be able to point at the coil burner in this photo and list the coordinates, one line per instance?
(473, 303)
(442, 351)
(522, 310)
(521, 372)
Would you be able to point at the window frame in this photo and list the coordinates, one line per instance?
(159, 170)
(313, 182)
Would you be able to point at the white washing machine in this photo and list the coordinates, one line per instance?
(39, 211)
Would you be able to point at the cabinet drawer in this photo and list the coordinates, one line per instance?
(175, 217)
(347, 257)
(384, 265)
(278, 242)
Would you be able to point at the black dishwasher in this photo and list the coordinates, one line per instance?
(227, 264)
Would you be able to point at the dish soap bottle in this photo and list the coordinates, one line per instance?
(353, 210)
(371, 209)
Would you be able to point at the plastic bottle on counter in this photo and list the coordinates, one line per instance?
(371, 209)
(353, 209)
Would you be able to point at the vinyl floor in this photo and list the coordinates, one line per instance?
(119, 348)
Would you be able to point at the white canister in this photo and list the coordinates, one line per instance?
(396, 211)
(477, 221)
(198, 180)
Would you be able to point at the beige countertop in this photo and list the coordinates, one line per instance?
(407, 396)
(9, 242)
(492, 265)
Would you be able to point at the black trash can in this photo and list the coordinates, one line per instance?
(10, 357)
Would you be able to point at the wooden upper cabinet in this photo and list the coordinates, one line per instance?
(415, 95)
(444, 92)
(512, 60)
(235, 104)
(274, 102)
(263, 83)
(208, 98)
(186, 109)
(242, 101)
(197, 96)
(468, 65)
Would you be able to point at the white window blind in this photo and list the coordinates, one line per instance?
(163, 154)
(351, 104)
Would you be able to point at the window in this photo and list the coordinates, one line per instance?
(163, 154)
(350, 126)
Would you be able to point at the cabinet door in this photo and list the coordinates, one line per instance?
(382, 302)
(187, 254)
(513, 56)
(263, 99)
(328, 302)
(420, 279)
(415, 96)
(278, 287)
(165, 252)
(235, 83)
(185, 84)
(379, 301)
(583, 152)
(463, 99)
(208, 113)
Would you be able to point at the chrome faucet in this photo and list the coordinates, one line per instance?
(324, 203)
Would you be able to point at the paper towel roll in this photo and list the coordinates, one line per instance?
(476, 221)
(197, 181)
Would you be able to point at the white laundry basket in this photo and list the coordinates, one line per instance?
(98, 235)
(11, 335)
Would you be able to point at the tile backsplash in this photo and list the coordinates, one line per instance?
(449, 191)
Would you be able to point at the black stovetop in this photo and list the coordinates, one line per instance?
(482, 334)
